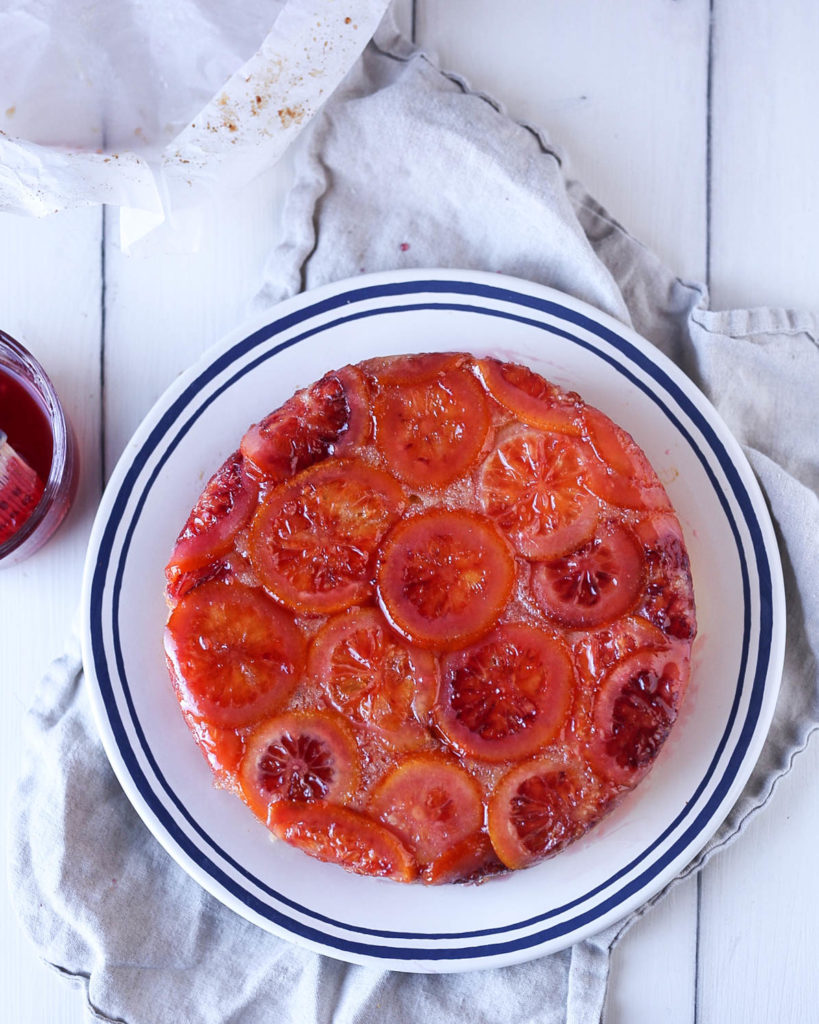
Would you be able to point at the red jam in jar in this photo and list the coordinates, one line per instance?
(26, 422)
(36, 427)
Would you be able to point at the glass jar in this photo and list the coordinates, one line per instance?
(33, 418)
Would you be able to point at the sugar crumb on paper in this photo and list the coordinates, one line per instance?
(291, 115)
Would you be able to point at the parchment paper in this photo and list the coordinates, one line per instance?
(156, 106)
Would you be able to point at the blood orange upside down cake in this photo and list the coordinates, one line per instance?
(432, 618)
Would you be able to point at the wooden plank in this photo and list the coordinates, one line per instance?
(765, 150)
(758, 917)
(653, 969)
(621, 87)
(757, 941)
(164, 309)
(50, 301)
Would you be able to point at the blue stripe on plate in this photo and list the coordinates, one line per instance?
(191, 397)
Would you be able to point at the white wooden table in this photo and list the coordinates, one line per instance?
(695, 123)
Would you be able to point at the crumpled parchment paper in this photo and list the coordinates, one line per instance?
(157, 105)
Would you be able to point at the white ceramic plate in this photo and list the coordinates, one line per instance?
(652, 834)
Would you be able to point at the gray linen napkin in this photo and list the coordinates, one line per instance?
(409, 167)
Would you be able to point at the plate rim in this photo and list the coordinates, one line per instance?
(411, 283)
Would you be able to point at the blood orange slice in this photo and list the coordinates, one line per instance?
(329, 416)
(532, 398)
(223, 508)
(431, 802)
(622, 474)
(471, 860)
(532, 485)
(313, 540)
(443, 577)
(539, 807)
(392, 370)
(373, 676)
(635, 708)
(669, 592)
(506, 696)
(223, 749)
(596, 583)
(235, 655)
(343, 836)
(432, 431)
(598, 650)
(299, 756)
